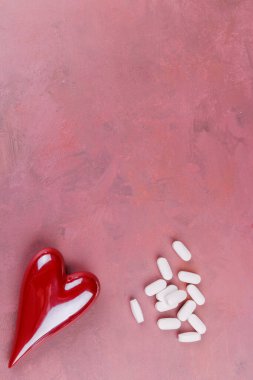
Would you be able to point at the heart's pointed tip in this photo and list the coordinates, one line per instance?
(14, 358)
(11, 362)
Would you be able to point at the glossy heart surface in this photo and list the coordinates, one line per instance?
(50, 299)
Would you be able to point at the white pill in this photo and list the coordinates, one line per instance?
(189, 277)
(176, 297)
(168, 323)
(136, 310)
(186, 310)
(164, 268)
(197, 324)
(196, 294)
(163, 306)
(181, 250)
(155, 287)
(189, 337)
(161, 295)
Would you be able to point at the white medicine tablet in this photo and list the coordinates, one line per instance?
(155, 287)
(189, 277)
(161, 295)
(197, 324)
(163, 306)
(136, 311)
(164, 268)
(189, 337)
(168, 323)
(186, 310)
(181, 250)
(176, 297)
(196, 294)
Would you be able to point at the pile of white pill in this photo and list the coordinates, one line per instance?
(169, 297)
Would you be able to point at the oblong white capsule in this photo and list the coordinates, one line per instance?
(197, 324)
(169, 289)
(186, 310)
(189, 277)
(164, 268)
(163, 306)
(155, 287)
(196, 294)
(181, 250)
(176, 297)
(136, 311)
(168, 323)
(189, 337)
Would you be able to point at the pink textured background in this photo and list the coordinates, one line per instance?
(125, 124)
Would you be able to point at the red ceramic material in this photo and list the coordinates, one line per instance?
(50, 299)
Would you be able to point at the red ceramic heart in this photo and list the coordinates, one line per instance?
(50, 300)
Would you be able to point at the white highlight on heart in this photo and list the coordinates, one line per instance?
(55, 317)
(43, 260)
(73, 284)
